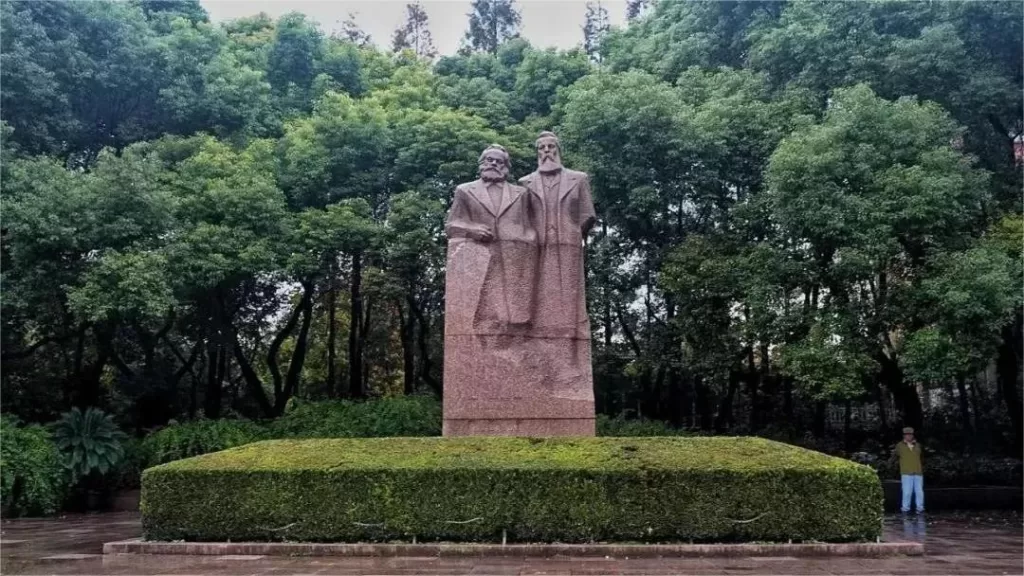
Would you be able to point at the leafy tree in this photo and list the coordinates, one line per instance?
(79, 76)
(491, 23)
(637, 8)
(542, 73)
(414, 34)
(209, 89)
(342, 64)
(352, 32)
(595, 27)
(678, 35)
(191, 10)
(291, 62)
(935, 51)
(870, 193)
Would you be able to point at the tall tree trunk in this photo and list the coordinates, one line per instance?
(820, 411)
(847, 425)
(724, 420)
(907, 400)
(766, 385)
(298, 359)
(422, 339)
(193, 398)
(222, 374)
(355, 344)
(211, 400)
(606, 295)
(879, 395)
(965, 410)
(753, 382)
(703, 404)
(677, 394)
(284, 386)
(332, 328)
(1008, 371)
(976, 413)
(363, 332)
(787, 398)
(406, 326)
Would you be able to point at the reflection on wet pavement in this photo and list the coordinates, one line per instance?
(954, 544)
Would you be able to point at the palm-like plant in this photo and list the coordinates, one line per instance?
(90, 442)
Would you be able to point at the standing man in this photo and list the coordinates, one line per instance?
(911, 471)
(490, 230)
(566, 213)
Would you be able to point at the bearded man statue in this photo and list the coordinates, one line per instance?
(517, 338)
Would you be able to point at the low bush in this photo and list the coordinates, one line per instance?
(91, 444)
(626, 427)
(128, 475)
(951, 469)
(382, 417)
(33, 479)
(182, 440)
(529, 489)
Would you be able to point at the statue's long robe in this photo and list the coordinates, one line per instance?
(565, 215)
(492, 282)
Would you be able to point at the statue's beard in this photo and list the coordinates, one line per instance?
(492, 174)
(549, 163)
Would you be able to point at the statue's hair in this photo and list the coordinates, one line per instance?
(549, 134)
(499, 148)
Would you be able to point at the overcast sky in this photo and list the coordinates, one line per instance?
(545, 23)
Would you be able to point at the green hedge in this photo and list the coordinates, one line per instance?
(473, 489)
(33, 480)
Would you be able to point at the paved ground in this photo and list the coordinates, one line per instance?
(954, 544)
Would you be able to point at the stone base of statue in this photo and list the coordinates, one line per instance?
(516, 358)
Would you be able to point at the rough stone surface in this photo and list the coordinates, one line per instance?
(954, 544)
(517, 334)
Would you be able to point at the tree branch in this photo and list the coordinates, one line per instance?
(299, 352)
(275, 347)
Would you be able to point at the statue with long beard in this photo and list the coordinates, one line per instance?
(517, 337)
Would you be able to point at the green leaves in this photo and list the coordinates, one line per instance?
(30, 459)
(132, 285)
(90, 441)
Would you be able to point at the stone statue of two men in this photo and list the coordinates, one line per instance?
(517, 335)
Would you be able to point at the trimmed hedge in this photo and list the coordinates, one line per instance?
(532, 489)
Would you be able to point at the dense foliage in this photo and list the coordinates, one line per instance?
(481, 489)
(188, 439)
(815, 209)
(33, 479)
(89, 441)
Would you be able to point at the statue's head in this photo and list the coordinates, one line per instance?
(549, 152)
(494, 163)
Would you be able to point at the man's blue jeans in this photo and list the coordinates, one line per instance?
(912, 484)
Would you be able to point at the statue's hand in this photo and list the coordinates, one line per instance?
(482, 235)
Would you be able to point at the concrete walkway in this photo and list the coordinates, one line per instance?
(987, 543)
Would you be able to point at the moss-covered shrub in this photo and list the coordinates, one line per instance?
(33, 479)
(382, 417)
(474, 489)
(182, 440)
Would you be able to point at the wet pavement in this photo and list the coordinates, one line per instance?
(986, 543)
